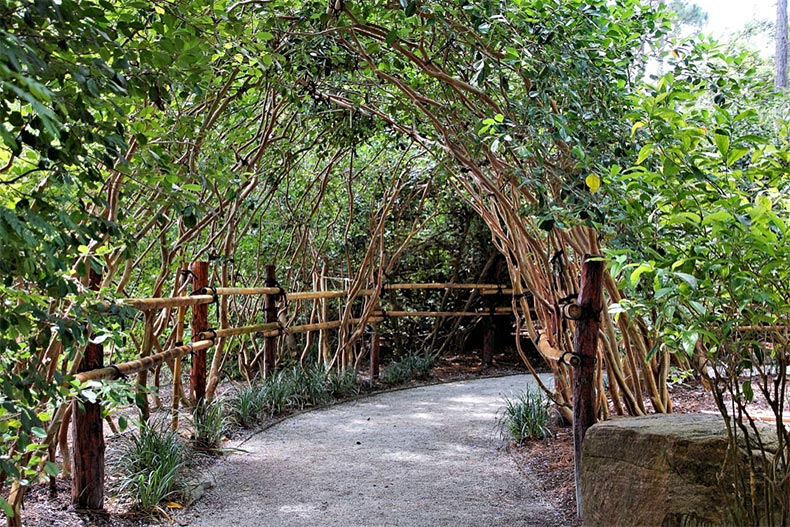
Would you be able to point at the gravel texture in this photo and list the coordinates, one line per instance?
(429, 456)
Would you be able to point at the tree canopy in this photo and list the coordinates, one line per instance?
(367, 141)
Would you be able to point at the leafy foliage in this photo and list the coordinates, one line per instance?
(151, 467)
(208, 426)
(708, 212)
(384, 137)
(526, 416)
(408, 368)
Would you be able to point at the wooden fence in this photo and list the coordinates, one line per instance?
(87, 423)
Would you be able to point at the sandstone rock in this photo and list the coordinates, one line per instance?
(658, 470)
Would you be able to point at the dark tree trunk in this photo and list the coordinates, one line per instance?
(270, 314)
(87, 483)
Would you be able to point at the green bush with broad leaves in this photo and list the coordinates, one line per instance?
(705, 255)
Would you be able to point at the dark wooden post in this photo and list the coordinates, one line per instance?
(588, 321)
(270, 308)
(489, 340)
(197, 375)
(375, 347)
(87, 482)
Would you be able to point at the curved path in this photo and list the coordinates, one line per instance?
(428, 456)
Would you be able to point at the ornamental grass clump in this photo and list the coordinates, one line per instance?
(248, 404)
(408, 368)
(151, 467)
(208, 426)
(526, 416)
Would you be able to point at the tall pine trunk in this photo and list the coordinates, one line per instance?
(781, 44)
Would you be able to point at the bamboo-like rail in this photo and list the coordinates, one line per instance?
(496, 291)
(754, 329)
(232, 332)
(205, 339)
(385, 314)
(148, 304)
(318, 326)
(245, 291)
(392, 287)
(146, 363)
(315, 295)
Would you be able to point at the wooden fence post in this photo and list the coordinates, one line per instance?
(588, 321)
(197, 375)
(375, 336)
(375, 347)
(489, 341)
(87, 482)
(270, 308)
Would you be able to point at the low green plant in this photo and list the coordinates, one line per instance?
(309, 386)
(408, 368)
(278, 393)
(247, 405)
(343, 385)
(151, 466)
(208, 426)
(292, 388)
(526, 416)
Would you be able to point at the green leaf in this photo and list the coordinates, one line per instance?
(720, 216)
(639, 271)
(411, 8)
(736, 153)
(39, 432)
(722, 143)
(748, 391)
(689, 279)
(689, 341)
(7, 509)
(51, 468)
(645, 151)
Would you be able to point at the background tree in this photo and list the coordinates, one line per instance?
(781, 44)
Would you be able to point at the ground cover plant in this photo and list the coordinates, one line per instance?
(526, 416)
(414, 366)
(152, 467)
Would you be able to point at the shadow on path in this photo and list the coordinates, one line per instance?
(429, 456)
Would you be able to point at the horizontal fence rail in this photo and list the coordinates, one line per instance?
(117, 371)
(209, 294)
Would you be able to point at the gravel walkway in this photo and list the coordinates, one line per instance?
(428, 456)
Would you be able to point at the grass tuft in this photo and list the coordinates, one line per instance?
(408, 368)
(526, 416)
(247, 405)
(208, 426)
(343, 385)
(151, 467)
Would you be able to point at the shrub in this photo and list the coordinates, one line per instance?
(151, 467)
(526, 416)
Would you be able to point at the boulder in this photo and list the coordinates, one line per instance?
(657, 470)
